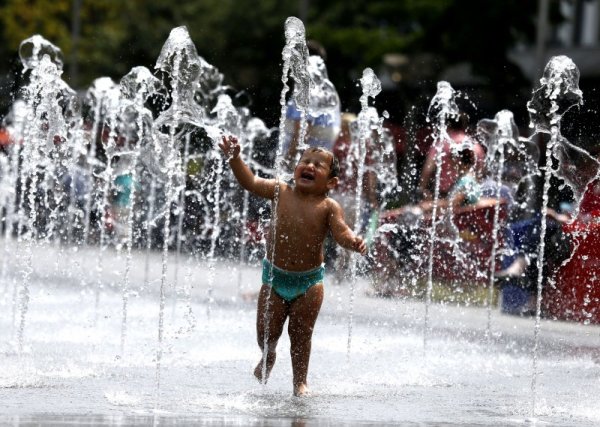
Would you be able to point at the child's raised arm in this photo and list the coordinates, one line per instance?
(341, 231)
(261, 187)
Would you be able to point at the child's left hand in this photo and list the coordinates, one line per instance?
(359, 245)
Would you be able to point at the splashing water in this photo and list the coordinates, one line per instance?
(442, 108)
(508, 162)
(255, 129)
(123, 133)
(371, 87)
(558, 92)
(323, 98)
(136, 87)
(35, 48)
(180, 62)
(48, 104)
(194, 86)
(295, 65)
(230, 121)
(317, 124)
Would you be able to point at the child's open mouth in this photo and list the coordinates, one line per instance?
(307, 175)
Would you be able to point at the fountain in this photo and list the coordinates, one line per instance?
(371, 87)
(558, 92)
(509, 162)
(83, 333)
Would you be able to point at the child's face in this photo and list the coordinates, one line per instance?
(312, 172)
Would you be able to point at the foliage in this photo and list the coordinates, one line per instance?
(244, 38)
(22, 19)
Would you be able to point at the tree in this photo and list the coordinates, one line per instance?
(244, 39)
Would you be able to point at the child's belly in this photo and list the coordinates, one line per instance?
(297, 254)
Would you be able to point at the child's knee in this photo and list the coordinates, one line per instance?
(300, 340)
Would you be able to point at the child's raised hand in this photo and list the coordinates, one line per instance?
(359, 245)
(230, 147)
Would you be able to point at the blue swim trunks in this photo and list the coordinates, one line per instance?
(290, 285)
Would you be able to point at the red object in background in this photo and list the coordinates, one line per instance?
(399, 135)
(577, 293)
(4, 137)
(475, 227)
(254, 233)
(591, 199)
(109, 220)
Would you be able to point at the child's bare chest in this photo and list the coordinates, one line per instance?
(302, 218)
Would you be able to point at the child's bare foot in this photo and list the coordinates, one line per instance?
(301, 390)
(258, 371)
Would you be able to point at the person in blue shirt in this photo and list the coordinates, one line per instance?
(122, 198)
(322, 115)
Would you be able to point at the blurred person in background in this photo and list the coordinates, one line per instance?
(323, 115)
(457, 131)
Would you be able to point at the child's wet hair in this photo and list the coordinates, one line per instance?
(334, 167)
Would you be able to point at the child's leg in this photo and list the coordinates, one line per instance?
(273, 327)
(303, 315)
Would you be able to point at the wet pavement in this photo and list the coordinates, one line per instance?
(72, 370)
